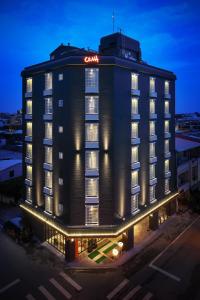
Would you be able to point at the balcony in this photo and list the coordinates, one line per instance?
(135, 92)
(135, 116)
(167, 115)
(28, 138)
(48, 117)
(28, 182)
(91, 200)
(48, 142)
(168, 174)
(153, 181)
(152, 116)
(167, 96)
(48, 191)
(167, 154)
(135, 189)
(153, 94)
(28, 94)
(48, 167)
(167, 135)
(135, 165)
(153, 159)
(47, 92)
(91, 117)
(28, 117)
(153, 138)
(91, 145)
(94, 172)
(135, 141)
(28, 160)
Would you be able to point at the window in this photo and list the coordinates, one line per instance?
(91, 215)
(48, 130)
(152, 106)
(48, 81)
(60, 76)
(152, 171)
(166, 146)
(48, 179)
(166, 87)
(167, 165)
(91, 104)
(134, 105)
(29, 107)
(134, 81)
(29, 85)
(134, 130)
(48, 204)
(60, 155)
(48, 155)
(29, 172)
(11, 173)
(91, 80)
(152, 84)
(134, 178)
(152, 149)
(60, 129)
(152, 193)
(60, 181)
(91, 132)
(60, 103)
(29, 128)
(29, 194)
(91, 187)
(152, 130)
(166, 185)
(29, 150)
(134, 203)
(166, 126)
(134, 154)
(91, 160)
(48, 106)
(166, 107)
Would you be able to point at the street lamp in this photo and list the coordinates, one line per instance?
(115, 252)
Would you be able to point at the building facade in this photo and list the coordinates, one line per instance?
(99, 144)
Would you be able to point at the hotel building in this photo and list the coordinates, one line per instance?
(99, 145)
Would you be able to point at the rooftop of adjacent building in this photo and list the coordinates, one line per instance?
(5, 164)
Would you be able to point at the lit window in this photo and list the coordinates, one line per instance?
(29, 128)
(29, 107)
(91, 80)
(167, 165)
(152, 149)
(60, 155)
(60, 76)
(134, 105)
(48, 106)
(48, 81)
(29, 194)
(152, 193)
(152, 171)
(134, 81)
(152, 106)
(167, 186)
(91, 215)
(60, 181)
(91, 187)
(48, 155)
(166, 107)
(91, 160)
(60, 129)
(152, 84)
(134, 154)
(166, 87)
(166, 146)
(29, 172)
(48, 130)
(166, 126)
(60, 103)
(48, 204)
(48, 179)
(134, 203)
(134, 178)
(152, 128)
(29, 150)
(91, 104)
(91, 133)
(134, 130)
(29, 85)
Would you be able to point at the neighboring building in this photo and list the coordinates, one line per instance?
(10, 169)
(185, 122)
(99, 145)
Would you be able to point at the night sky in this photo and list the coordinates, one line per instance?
(169, 32)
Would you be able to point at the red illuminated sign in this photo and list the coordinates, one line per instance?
(91, 59)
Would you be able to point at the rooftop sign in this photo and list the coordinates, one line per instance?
(91, 59)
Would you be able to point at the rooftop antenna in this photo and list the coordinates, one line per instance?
(113, 21)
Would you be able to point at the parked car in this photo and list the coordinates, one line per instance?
(16, 229)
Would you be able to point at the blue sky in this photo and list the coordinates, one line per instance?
(169, 32)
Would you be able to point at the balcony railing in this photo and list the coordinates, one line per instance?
(47, 117)
(48, 191)
(135, 116)
(135, 165)
(167, 174)
(167, 135)
(28, 94)
(91, 200)
(167, 96)
(48, 142)
(135, 141)
(91, 145)
(153, 181)
(28, 117)
(90, 172)
(28, 160)
(153, 138)
(167, 154)
(28, 182)
(91, 117)
(135, 189)
(135, 92)
(152, 116)
(167, 115)
(153, 159)
(28, 138)
(152, 94)
(48, 166)
(47, 92)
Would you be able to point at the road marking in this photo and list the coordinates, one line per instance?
(5, 288)
(30, 297)
(60, 288)
(118, 288)
(152, 265)
(106, 246)
(71, 281)
(148, 296)
(46, 293)
(132, 293)
(97, 257)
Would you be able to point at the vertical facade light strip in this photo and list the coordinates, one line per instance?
(91, 146)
